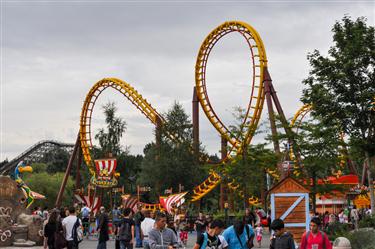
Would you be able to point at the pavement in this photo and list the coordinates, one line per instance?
(91, 243)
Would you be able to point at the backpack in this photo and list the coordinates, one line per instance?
(85, 212)
(125, 232)
(77, 232)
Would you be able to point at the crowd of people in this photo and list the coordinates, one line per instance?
(142, 228)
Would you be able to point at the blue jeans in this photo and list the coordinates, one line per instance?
(102, 245)
(146, 245)
(125, 245)
(138, 240)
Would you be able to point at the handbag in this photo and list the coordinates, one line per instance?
(60, 241)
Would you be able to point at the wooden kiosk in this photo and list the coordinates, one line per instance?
(290, 202)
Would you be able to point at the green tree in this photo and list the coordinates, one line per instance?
(56, 160)
(319, 150)
(249, 168)
(341, 86)
(171, 163)
(109, 140)
(49, 185)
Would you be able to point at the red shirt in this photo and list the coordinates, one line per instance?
(307, 243)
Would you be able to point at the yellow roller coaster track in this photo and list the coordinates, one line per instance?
(85, 124)
(296, 123)
(259, 62)
(140, 103)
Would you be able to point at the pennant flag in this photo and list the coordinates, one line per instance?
(90, 201)
(167, 202)
(130, 202)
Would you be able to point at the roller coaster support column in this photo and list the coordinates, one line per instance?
(158, 131)
(271, 114)
(224, 152)
(67, 172)
(195, 111)
(270, 92)
(78, 173)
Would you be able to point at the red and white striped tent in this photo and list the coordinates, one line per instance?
(90, 201)
(167, 202)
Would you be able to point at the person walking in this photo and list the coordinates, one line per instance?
(68, 225)
(249, 217)
(281, 239)
(85, 214)
(354, 215)
(315, 238)
(138, 218)
(161, 237)
(126, 230)
(239, 235)
(116, 216)
(103, 229)
(211, 239)
(52, 227)
(200, 224)
(259, 234)
(146, 226)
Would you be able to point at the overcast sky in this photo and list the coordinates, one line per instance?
(53, 52)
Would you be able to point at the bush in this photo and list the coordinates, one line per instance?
(368, 221)
(337, 229)
(362, 239)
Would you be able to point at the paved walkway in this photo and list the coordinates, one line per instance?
(92, 243)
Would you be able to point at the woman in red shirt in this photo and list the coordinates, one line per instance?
(315, 239)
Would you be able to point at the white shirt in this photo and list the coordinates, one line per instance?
(68, 223)
(223, 242)
(147, 225)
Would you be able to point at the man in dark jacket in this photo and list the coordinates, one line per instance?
(281, 239)
(103, 229)
(138, 218)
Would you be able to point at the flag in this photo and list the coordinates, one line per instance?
(168, 201)
(90, 201)
(130, 202)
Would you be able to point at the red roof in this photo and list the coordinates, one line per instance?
(346, 179)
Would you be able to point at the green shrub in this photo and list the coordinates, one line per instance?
(362, 239)
(368, 221)
(337, 229)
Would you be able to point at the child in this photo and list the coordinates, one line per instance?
(281, 239)
(259, 234)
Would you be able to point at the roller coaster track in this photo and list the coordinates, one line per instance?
(254, 110)
(343, 151)
(34, 154)
(250, 122)
(85, 124)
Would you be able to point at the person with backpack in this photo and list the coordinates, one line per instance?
(211, 239)
(125, 232)
(281, 239)
(239, 235)
(85, 214)
(103, 229)
(315, 239)
(73, 229)
(51, 229)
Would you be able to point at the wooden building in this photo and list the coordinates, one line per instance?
(290, 202)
